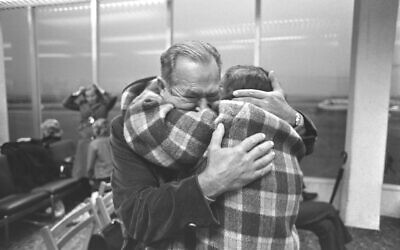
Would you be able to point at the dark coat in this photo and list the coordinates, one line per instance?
(154, 206)
(31, 164)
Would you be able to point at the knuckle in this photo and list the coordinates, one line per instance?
(239, 151)
(246, 159)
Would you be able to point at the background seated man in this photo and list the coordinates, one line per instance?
(322, 219)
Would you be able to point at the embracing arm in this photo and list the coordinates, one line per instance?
(153, 211)
(276, 103)
(150, 210)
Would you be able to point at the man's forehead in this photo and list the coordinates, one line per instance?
(196, 84)
(187, 71)
(90, 92)
(192, 63)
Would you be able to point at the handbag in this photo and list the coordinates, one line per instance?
(109, 238)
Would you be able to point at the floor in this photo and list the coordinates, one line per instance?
(27, 236)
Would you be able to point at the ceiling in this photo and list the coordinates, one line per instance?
(6, 4)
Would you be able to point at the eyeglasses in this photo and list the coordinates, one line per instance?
(193, 91)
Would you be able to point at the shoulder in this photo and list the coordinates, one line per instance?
(132, 90)
(93, 143)
(117, 124)
(117, 138)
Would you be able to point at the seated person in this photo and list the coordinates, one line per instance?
(51, 133)
(33, 163)
(322, 219)
(262, 214)
(99, 155)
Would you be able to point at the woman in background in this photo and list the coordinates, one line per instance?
(93, 103)
(99, 155)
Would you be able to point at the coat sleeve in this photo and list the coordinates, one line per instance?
(109, 100)
(72, 102)
(153, 210)
(91, 159)
(309, 134)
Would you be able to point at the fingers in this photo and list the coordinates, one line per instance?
(274, 82)
(262, 151)
(251, 93)
(262, 103)
(250, 142)
(216, 138)
(263, 171)
(264, 160)
(254, 93)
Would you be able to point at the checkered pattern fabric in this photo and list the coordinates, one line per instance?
(133, 90)
(259, 216)
(166, 136)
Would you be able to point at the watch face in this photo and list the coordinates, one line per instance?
(298, 120)
(91, 120)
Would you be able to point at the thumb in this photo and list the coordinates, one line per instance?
(216, 138)
(274, 82)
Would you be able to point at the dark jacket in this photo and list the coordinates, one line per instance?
(31, 164)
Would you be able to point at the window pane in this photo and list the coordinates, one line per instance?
(307, 43)
(16, 48)
(228, 25)
(64, 59)
(132, 38)
(133, 35)
(392, 165)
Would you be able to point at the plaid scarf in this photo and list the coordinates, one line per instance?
(259, 216)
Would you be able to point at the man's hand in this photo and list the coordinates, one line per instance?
(232, 168)
(100, 89)
(273, 102)
(80, 91)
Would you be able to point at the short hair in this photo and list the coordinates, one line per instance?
(197, 51)
(244, 77)
(51, 128)
(100, 127)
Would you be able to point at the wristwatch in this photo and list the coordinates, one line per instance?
(299, 121)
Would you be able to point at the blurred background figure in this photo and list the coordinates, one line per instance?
(99, 155)
(93, 103)
(51, 132)
(34, 162)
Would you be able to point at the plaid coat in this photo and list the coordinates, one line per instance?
(259, 216)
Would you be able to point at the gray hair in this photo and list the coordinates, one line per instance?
(197, 51)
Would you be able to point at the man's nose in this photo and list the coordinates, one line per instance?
(202, 104)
